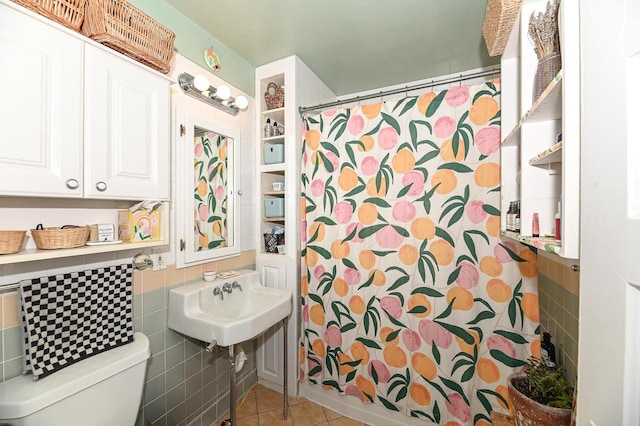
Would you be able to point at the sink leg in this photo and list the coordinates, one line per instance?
(232, 385)
(285, 393)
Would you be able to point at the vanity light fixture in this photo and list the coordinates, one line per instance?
(198, 87)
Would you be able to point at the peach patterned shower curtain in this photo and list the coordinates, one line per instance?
(410, 298)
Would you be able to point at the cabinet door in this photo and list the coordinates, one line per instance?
(41, 108)
(270, 344)
(126, 146)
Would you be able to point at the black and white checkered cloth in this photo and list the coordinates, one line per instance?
(67, 318)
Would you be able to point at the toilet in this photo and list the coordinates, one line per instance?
(105, 389)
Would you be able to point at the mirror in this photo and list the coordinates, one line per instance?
(206, 202)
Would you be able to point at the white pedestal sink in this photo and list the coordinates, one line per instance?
(227, 311)
(233, 316)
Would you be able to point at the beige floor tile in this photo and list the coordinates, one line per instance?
(268, 399)
(248, 421)
(273, 418)
(307, 414)
(345, 421)
(294, 401)
(248, 407)
(330, 414)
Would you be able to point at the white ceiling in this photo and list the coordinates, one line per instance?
(351, 45)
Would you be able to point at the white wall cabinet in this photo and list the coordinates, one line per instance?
(126, 144)
(78, 120)
(41, 108)
(548, 172)
(282, 270)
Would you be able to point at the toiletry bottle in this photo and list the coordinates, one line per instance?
(517, 218)
(558, 224)
(547, 348)
(535, 226)
(274, 129)
(267, 129)
(509, 222)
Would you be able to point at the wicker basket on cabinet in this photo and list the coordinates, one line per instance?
(126, 29)
(69, 13)
(499, 18)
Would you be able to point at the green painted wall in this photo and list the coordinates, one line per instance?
(192, 40)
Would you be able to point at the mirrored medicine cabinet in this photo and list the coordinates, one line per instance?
(207, 173)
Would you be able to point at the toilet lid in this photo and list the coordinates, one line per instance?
(22, 396)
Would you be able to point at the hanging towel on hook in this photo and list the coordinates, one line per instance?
(69, 317)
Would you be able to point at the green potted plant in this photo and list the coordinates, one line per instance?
(541, 395)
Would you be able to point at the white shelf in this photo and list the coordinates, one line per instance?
(274, 219)
(30, 255)
(547, 107)
(276, 114)
(274, 193)
(548, 244)
(273, 168)
(274, 139)
(550, 156)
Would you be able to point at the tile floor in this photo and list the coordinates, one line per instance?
(263, 407)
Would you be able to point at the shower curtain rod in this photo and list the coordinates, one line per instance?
(432, 83)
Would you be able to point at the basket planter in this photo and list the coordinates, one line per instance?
(69, 13)
(126, 29)
(528, 412)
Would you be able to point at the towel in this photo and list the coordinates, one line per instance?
(69, 317)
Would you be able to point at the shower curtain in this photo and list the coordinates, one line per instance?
(410, 298)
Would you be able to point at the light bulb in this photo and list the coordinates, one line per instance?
(223, 92)
(201, 82)
(242, 102)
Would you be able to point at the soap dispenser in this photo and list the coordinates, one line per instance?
(267, 129)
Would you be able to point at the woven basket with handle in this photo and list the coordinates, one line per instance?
(122, 27)
(274, 96)
(499, 17)
(57, 238)
(69, 13)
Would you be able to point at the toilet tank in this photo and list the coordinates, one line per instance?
(105, 389)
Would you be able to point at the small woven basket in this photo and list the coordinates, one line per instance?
(69, 13)
(274, 96)
(499, 17)
(11, 241)
(126, 29)
(57, 238)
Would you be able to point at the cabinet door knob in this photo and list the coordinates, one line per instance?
(73, 184)
(101, 186)
(240, 192)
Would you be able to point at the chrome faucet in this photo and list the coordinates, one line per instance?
(236, 284)
(217, 291)
(227, 288)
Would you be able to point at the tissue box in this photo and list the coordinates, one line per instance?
(140, 225)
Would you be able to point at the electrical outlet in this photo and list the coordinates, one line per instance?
(158, 261)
